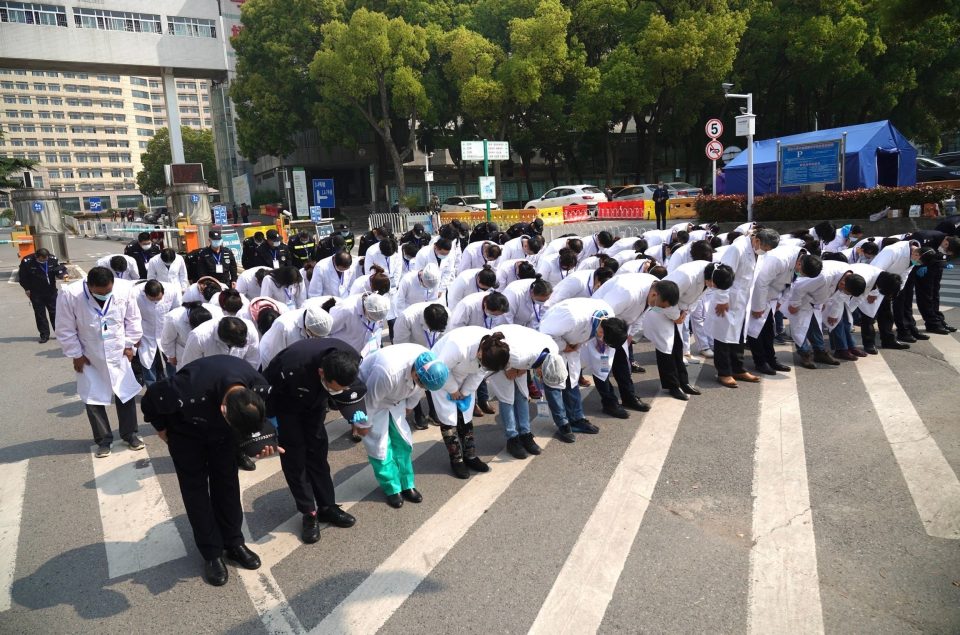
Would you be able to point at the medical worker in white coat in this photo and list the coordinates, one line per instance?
(226, 336)
(423, 323)
(177, 328)
(286, 286)
(168, 266)
(438, 253)
(154, 300)
(293, 326)
(98, 331)
(131, 272)
(579, 284)
(396, 378)
(359, 321)
(471, 353)
(773, 276)
(479, 253)
(250, 281)
(470, 281)
(521, 248)
(419, 285)
(333, 276)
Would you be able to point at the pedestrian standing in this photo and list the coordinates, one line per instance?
(38, 276)
(660, 197)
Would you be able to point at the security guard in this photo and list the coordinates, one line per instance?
(38, 277)
(248, 258)
(302, 248)
(211, 408)
(305, 377)
(216, 262)
(274, 253)
(142, 250)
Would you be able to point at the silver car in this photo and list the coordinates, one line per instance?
(468, 203)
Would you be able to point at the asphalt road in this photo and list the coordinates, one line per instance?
(824, 501)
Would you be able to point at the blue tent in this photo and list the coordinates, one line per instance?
(876, 154)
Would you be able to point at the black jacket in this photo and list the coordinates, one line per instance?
(207, 262)
(660, 196)
(266, 255)
(366, 242)
(248, 257)
(39, 281)
(302, 251)
(421, 240)
(928, 238)
(296, 385)
(522, 229)
(135, 251)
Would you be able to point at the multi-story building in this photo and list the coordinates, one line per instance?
(86, 131)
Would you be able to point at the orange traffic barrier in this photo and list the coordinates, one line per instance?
(24, 242)
(681, 208)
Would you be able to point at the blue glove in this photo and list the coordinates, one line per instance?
(462, 404)
(949, 266)
(359, 416)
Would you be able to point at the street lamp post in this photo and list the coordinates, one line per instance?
(748, 113)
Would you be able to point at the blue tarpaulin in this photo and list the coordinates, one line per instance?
(876, 154)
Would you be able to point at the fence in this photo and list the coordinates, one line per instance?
(403, 221)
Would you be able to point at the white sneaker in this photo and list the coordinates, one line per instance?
(691, 360)
(708, 353)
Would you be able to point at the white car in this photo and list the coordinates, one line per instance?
(569, 195)
(469, 203)
(636, 193)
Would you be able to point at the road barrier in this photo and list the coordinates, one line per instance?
(576, 213)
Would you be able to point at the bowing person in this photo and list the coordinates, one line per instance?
(422, 323)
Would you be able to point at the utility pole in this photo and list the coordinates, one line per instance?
(486, 172)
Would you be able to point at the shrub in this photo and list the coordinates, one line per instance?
(721, 209)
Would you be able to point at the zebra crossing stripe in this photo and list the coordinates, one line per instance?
(932, 483)
(13, 484)
(784, 584)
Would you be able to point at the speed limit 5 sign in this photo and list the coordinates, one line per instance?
(714, 128)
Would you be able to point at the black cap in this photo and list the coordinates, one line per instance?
(273, 234)
(254, 444)
(143, 236)
(214, 234)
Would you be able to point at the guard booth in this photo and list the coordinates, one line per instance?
(38, 211)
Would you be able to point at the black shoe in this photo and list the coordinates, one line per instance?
(896, 346)
(395, 501)
(635, 367)
(529, 444)
(565, 434)
(215, 572)
(412, 495)
(765, 369)
(952, 329)
(356, 438)
(44, 339)
(919, 336)
(584, 427)
(783, 368)
(616, 411)
(459, 469)
(677, 393)
(419, 423)
(906, 337)
(690, 390)
(938, 330)
(636, 404)
(475, 464)
(311, 529)
(515, 448)
(243, 556)
(134, 442)
(335, 516)
(244, 462)
(871, 350)
(485, 408)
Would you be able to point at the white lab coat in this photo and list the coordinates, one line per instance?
(411, 291)
(513, 249)
(458, 349)
(152, 317)
(469, 312)
(392, 266)
(100, 334)
(328, 281)
(571, 323)
(636, 265)
(655, 237)
(472, 257)
(292, 296)
(624, 244)
(773, 274)
(247, 283)
(549, 268)
(507, 271)
(578, 284)
(411, 328)
(526, 345)
(679, 257)
(391, 391)
(463, 285)
(869, 301)
(591, 247)
(176, 329)
(286, 329)
(658, 253)
(523, 309)
(192, 294)
(350, 325)
(554, 246)
(810, 294)
(658, 325)
(627, 296)
(743, 260)
(895, 258)
(448, 269)
(132, 272)
(203, 342)
(175, 272)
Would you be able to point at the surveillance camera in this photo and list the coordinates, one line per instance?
(743, 110)
(726, 87)
(287, 213)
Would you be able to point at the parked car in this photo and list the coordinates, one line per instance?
(569, 195)
(950, 159)
(679, 189)
(636, 192)
(930, 170)
(468, 203)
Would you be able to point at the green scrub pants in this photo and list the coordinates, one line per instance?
(395, 472)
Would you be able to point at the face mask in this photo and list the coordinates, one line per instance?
(274, 243)
(146, 245)
(441, 256)
(329, 390)
(216, 243)
(942, 250)
(103, 298)
(914, 262)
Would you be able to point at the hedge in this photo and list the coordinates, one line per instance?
(818, 206)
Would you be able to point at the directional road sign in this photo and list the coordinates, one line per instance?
(95, 205)
(496, 150)
(323, 194)
(37, 206)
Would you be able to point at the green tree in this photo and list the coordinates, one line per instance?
(197, 148)
(11, 168)
(373, 66)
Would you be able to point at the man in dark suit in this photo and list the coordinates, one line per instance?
(38, 277)
(660, 197)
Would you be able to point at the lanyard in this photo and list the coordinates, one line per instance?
(590, 286)
(406, 265)
(106, 307)
(601, 347)
(487, 321)
(596, 245)
(276, 254)
(536, 312)
(288, 294)
(46, 271)
(217, 256)
(340, 276)
(370, 326)
(430, 341)
(563, 273)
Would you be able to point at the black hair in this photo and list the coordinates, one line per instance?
(487, 277)
(716, 242)
(379, 280)
(811, 245)
(410, 250)
(245, 410)
(43, 252)
(340, 367)
(342, 259)
(888, 283)
(658, 271)
(834, 255)
(854, 284)
(490, 249)
(541, 287)
(208, 289)
(870, 248)
(605, 239)
(118, 264)
(668, 291)
(259, 235)
(534, 244)
(168, 255)
(811, 265)
(683, 236)
(525, 270)
(575, 245)
(449, 232)
(537, 223)
(443, 244)
(198, 315)
(329, 304)
(143, 236)
(701, 250)
(608, 262)
(286, 276)
(640, 245)
(388, 246)
(494, 352)
(153, 288)
(496, 301)
(825, 231)
(266, 318)
(230, 301)
(337, 242)
(99, 277)
(720, 275)
(435, 317)
(567, 258)
(732, 236)
(856, 229)
(614, 332)
(889, 240)
(232, 331)
(260, 274)
(602, 274)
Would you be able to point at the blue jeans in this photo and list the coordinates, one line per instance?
(566, 406)
(515, 417)
(150, 374)
(814, 336)
(841, 337)
(483, 395)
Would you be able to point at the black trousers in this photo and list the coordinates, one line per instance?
(762, 346)
(673, 374)
(206, 468)
(43, 305)
(928, 295)
(303, 438)
(661, 214)
(868, 329)
(903, 306)
(885, 321)
(728, 358)
(100, 424)
(620, 371)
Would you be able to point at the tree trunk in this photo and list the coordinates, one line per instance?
(525, 162)
(397, 164)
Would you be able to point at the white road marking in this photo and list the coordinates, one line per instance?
(13, 484)
(949, 348)
(582, 591)
(784, 584)
(138, 531)
(932, 483)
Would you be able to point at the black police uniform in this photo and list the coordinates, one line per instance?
(484, 231)
(367, 241)
(248, 257)
(302, 251)
(421, 240)
(523, 229)
(266, 255)
(299, 401)
(41, 281)
(203, 446)
(222, 265)
(141, 256)
(325, 248)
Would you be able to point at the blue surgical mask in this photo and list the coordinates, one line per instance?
(103, 298)
(216, 243)
(442, 256)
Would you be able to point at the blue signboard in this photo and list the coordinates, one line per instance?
(220, 214)
(38, 206)
(316, 213)
(323, 195)
(810, 163)
(194, 198)
(95, 205)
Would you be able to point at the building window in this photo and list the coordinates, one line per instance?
(143, 144)
(140, 94)
(143, 132)
(142, 119)
(141, 107)
(37, 86)
(54, 174)
(138, 81)
(192, 27)
(116, 20)
(32, 13)
(51, 158)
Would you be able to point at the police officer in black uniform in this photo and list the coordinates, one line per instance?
(534, 228)
(251, 245)
(216, 262)
(373, 237)
(274, 253)
(38, 277)
(329, 246)
(305, 377)
(302, 248)
(142, 250)
(418, 235)
(209, 409)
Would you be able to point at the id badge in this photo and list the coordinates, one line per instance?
(104, 330)
(605, 364)
(276, 263)
(219, 269)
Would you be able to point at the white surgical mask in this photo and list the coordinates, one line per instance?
(330, 390)
(942, 250)
(146, 245)
(275, 243)
(102, 297)
(442, 256)
(216, 243)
